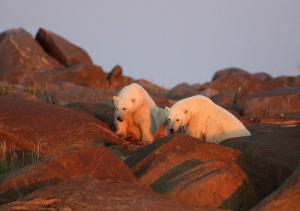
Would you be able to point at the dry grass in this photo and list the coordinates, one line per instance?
(11, 159)
(5, 88)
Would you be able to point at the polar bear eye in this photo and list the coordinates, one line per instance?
(177, 120)
(124, 109)
(169, 119)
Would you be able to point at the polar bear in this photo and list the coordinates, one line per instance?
(137, 115)
(204, 119)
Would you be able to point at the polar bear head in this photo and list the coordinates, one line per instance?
(178, 117)
(123, 107)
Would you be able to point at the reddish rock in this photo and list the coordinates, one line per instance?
(152, 88)
(189, 171)
(61, 49)
(286, 197)
(103, 111)
(22, 57)
(225, 99)
(116, 78)
(28, 124)
(97, 163)
(275, 103)
(253, 167)
(181, 91)
(66, 93)
(232, 71)
(91, 194)
(81, 74)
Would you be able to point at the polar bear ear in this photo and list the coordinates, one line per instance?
(167, 109)
(133, 100)
(115, 98)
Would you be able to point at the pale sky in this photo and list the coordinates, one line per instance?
(171, 41)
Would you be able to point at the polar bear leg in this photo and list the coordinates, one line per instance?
(147, 136)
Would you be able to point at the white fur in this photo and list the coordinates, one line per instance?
(205, 120)
(142, 118)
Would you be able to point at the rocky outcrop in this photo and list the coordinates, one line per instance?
(268, 158)
(116, 78)
(181, 91)
(281, 102)
(61, 49)
(96, 163)
(22, 57)
(232, 71)
(189, 171)
(28, 124)
(92, 194)
(236, 177)
(81, 74)
(286, 197)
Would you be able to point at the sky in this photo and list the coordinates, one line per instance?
(171, 41)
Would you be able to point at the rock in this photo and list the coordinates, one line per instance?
(225, 99)
(81, 74)
(262, 76)
(16, 90)
(153, 89)
(61, 49)
(103, 111)
(181, 91)
(189, 171)
(116, 78)
(92, 194)
(54, 129)
(286, 197)
(22, 56)
(97, 163)
(67, 92)
(232, 71)
(275, 103)
(236, 177)
(268, 158)
(209, 93)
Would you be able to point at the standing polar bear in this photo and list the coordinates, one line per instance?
(137, 115)
(205, 120)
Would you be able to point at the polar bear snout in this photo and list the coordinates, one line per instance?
(119, 119)
(172, 130)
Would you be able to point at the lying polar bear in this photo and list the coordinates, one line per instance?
(204, 119)
(137, 115)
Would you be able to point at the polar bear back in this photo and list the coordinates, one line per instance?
(137, 92)
(210, 121)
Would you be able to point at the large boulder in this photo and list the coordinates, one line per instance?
(232, 71)
(236, 176)
(268, 158)
(61, 49)
(92, 194)
(286, 197)
(97, 163)
(22, 57)
(116, 78)
(54, 129)
(189, 171)
(152, 88)
(103, 111)
(82, 74)
(181, 91)
(64, 92)
(275, 103)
